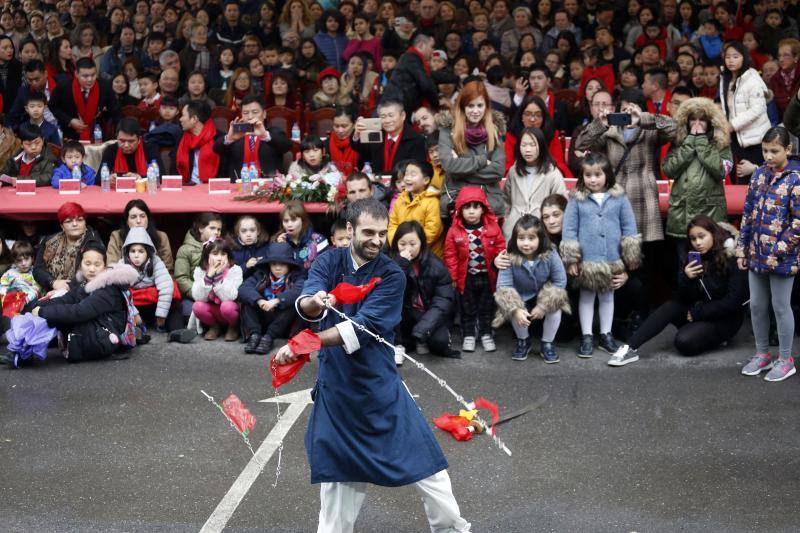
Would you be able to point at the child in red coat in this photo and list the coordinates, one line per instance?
(472, 243)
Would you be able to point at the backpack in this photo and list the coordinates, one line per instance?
(128, 337)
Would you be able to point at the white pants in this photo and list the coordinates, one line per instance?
(340, 504)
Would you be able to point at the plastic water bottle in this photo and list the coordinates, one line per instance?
(76, 174)
(98, 134)
(247, 184)
(254, 175)
(368, 170)
(152, 177)
(295, 133)
(105, 178)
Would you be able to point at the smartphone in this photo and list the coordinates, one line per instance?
(695, 257)
(243, 127)
(619, 119)
(373, 132)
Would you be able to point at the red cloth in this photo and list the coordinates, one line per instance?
(651, 106)
(13, 302)
(25, 168)
(343, 155)
(556, 150)
(455, 425)
(389, 151)
(208, 160)
(149, 295)
(456, 245)
(346, 293)
(782, 91)
(86, 111)
(660, 41)
(121, 162)
(604, 73)
(238, 414)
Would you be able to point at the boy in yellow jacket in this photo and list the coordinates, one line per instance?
(416, 202)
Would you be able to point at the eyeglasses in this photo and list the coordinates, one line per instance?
(532, 114)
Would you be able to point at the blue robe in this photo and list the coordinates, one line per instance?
(364, 426)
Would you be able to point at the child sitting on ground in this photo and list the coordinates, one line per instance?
(296, 229)
(417, 203)
(71, 156)
(268, 296)
(18, 284)
(215, 289)
(250, 244)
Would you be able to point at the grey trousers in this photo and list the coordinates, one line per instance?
(766, 288)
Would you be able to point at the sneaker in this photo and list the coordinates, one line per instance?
(468, 344)
(264, 345)
(624, 355)
(548, 352)
(11, 359)
(422, 349)
(487, 341)
(607, 343)
(399, 355)
(781, 369)
(521, 352)
(587, 347)
(757, 364)
(252, 343)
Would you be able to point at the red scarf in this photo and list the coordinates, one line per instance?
(251, 156)
(121, 162)
(343, 155)
(388, 155)
(86, 111)
(208, 160)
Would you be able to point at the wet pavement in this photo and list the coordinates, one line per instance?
(665, 444)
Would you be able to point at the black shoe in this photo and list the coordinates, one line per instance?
(184, 336)
(452, 354)
(587, 346)
(635, 324)
(608, 344)
(143, 339)
(252, 343)
(521, 352)
(265, 345)
(11, 359)
(548, 352)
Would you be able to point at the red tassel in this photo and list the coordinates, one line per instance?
(455, 425)
(347, 293)
(240, 415)
(483, 403)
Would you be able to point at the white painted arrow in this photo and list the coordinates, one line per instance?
(297, 403)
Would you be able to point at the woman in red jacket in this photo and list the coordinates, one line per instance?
(532, 113)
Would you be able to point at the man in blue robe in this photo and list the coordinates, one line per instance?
(365, 427)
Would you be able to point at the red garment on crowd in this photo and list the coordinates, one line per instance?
(121, 162)
(556, 151)
(87, 111)
(25, 168)
(342, 154)
(784, 86)
(208, 160)
(605, 73)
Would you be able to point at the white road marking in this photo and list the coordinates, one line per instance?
(222, 514)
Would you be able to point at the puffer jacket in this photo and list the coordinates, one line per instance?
(186, 260)
(698, 164)
(471, 168)
(424, 208)
(524, 194)
(602, 238)
(252, 290)
(431, 283)
(93, 315)
(114, 249)
(225, 286)
(153, 273)
(456, 247)
(748, 116)
(770, 228)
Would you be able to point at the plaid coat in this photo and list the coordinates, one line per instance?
(639, 173)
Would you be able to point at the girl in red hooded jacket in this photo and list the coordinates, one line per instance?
(472, 243)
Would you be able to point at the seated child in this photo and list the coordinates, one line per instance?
(249, 244)
(167, 132)
(18, 284)
(267, 298)
(148, 86)
(296, 229)
(429, 299)
(339, 234)
(34, 161)
(34, 107)
(206, 227)
(215, 289)
(153, 293)
(72, 155)
(417, 203)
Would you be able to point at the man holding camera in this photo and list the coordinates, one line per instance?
(394, 142)
(249, 141)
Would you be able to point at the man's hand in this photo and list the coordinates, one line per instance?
(574, 270)
(522, 318)
(360, 127)
(35, 311)
(502, 261)
(618, 280)
(635, 112)
(232, 136)
(285, 355)
(259, 130)
(77, 124)
(603, 116)
(693, 270)
(741, 262)
(314, 305)
(521, 87)
(537, 313)
(161, 322)
(689, 316)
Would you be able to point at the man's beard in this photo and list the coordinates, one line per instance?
(366, 250)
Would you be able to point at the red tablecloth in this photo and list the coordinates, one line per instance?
(47, 200)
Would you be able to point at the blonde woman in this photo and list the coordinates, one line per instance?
(296, 16)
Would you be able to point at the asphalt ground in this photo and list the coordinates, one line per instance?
(665, 444)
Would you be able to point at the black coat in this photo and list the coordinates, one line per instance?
(12, 84)
(46, 279)
(412, 146)
(91, 312)
(63, 106)
(728, 292)
(252, 290)
(435, 287)
(151, 152)
(411, 84)
(270, 154)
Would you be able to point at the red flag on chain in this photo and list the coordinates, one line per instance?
(457, 426)
(240, 415)
(483, 403)
(346, 293)
(301, 344)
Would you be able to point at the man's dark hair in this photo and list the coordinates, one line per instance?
(680, 89)
(495, 75)
(251, 99)
(150, 76)
(199, 109)
(130, 126)
(357, 176)
(85, 62)
(157, 36)
(659, 76)
(386, 102)
(34, 65)
(338, 225)
(36, 97)
(366, 206)
(541, 67)
(420, 38)
(29, 132)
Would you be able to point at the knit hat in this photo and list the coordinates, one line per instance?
(327, 73)
(70, 210)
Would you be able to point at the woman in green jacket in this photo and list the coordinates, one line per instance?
(698, 161)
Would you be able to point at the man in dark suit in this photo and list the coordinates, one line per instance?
(411, 81)
(130, 155)
(79, 103)
(400, 141)
(264, 146)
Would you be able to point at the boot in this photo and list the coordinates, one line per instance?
(252, 343)
(232, 334)
(265, 345)
(212, 333)
(521, 352)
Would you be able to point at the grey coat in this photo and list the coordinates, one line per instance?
(160, 277)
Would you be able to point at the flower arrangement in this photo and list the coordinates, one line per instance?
(320, 187)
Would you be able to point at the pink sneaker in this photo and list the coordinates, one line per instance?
(757, 364)
(781, 369)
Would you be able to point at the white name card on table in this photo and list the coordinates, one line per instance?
(26, 187)
(69, 187)
(125, 184)
(219, 186)
(172, 183)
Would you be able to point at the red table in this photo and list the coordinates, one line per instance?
(47, 200)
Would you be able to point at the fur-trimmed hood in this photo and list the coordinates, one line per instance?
(517, 259)
(730, 243)
(444, 119)
(116, 274)
(581, 195)
(704, 108)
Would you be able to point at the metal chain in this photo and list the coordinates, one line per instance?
(442, 383)
(233, 426)
(280, 445)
